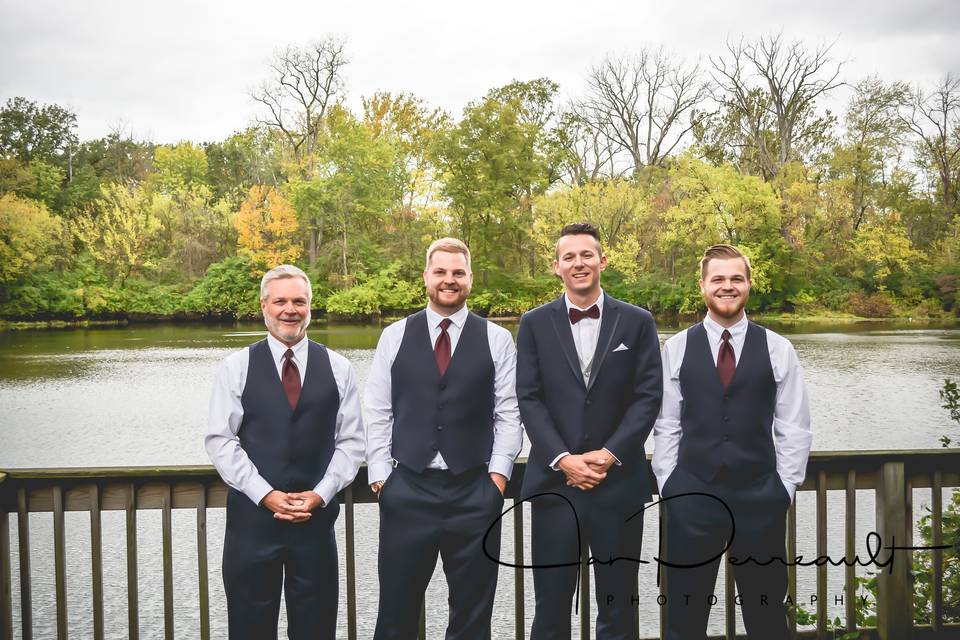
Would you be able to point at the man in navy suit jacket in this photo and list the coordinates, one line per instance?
(589, 384)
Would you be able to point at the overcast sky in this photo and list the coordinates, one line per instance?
(182, 69)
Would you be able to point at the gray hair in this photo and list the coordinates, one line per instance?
(280, 273)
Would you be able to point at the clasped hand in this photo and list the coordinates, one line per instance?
(292, 507)
(586, 470)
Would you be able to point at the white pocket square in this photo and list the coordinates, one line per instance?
(622, 347)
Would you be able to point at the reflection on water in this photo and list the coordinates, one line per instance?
(138, 396)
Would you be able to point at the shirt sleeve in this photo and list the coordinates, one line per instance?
(507, 430)
(378, 404)
(349, 442)
(666, 430)
(223, 422)
(791, 418)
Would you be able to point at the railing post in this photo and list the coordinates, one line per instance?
(6, 593)
(894, 599)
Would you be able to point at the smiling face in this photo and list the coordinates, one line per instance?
(286, 309)
(726, 288)
(579, 264)
(448, 280)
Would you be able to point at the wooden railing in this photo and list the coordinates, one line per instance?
(891, 475)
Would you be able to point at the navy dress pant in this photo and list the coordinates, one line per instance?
(614, 540)
(430, 514)
(699, 527)
(261, 555)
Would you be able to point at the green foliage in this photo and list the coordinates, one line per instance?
(229, 287)
(29, 237)
(385, 291)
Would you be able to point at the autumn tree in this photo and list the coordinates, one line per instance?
(267, 227)
(644, 105)
(29, 237)
(767, 91)
(934, 117)
(495, 160)
(121, 231)
(305, 83)
(359, 181)
(29, 131)
(874, 133)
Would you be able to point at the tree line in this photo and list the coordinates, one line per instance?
(850, 212)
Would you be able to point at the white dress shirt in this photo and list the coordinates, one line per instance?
(586, 332)
(378, 397)
(791, 418)
(226, 413)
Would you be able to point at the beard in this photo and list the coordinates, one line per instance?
(287, 333)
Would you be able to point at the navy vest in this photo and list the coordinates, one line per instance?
(291, 448)
(453, 413)
(728, 430)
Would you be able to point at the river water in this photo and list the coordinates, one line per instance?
(138, 396)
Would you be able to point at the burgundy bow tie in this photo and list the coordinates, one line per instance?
(576, 315)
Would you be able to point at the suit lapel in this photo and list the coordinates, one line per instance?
(561, 324)
(608, 326)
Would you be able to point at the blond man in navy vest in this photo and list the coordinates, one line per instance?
(735, 425)
(285, 434)
(588, 384)
(443, 433)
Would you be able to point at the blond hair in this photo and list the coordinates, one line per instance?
(722, 252)
(447, 245)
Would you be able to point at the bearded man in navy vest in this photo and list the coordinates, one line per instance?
(443, 433)
(589, 386)
(735, 425)
(285, 434)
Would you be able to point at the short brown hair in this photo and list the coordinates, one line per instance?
(579, 229)
(722, 252)
(447, 245)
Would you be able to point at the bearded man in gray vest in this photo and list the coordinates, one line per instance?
(734, 425)
(285, 434)
(443, 433)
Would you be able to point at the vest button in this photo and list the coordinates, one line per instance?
(726, 418)
(588, 402)
(439, 427)
(443, 385)
(726, 438)
(586, 436)
(439, 405)
(726, 397)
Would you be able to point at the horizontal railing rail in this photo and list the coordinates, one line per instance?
(892, 475)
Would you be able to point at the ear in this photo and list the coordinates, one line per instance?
(556, 268)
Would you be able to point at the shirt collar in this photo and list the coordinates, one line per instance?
(277, 348)
(434, 319)
(715, 330)
(598, 302)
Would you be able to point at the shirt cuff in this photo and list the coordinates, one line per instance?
(616, 460)
(791, 489)
(501, 464)
(553, 465)
(327, 489)
(378, 471)
(257, 490)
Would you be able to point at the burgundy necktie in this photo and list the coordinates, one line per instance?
(291, 379)
(726, 360)
(576, 315)
(441, 350)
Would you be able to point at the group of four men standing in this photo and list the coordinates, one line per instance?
(445, 398)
